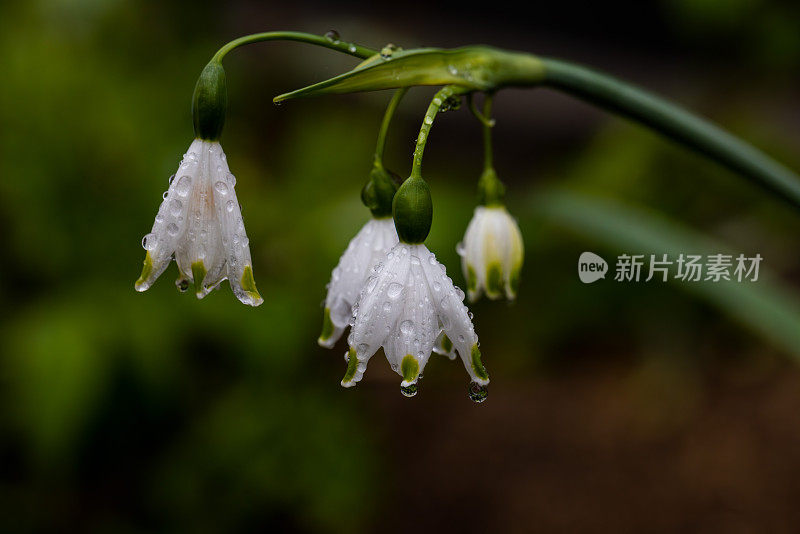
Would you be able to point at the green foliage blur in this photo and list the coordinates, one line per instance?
(126, 412)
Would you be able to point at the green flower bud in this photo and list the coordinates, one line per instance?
(379, 191)
(210, 102)
(413, 211)
(490, 189)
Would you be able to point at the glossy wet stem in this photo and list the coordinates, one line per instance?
(300, 37)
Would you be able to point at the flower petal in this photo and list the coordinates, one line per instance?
(236, 264)
(171, 221)
(378, 307)
(455, 319)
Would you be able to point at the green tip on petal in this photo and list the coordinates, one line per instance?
(142, 283)
(198, 275)
(249, 285)
(352, 363)
(447, 345)
(513, 283)
(409, 368)
(327, 327)
(494, 280)
(472, 279)
(477, 365)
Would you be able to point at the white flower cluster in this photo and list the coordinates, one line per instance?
(398, 297)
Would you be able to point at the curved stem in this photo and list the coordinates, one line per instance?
(488, 156)
(674, 122)
(387, 119)
(320, 40)
(439, 99)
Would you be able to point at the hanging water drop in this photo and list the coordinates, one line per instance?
(477, 393)
(409, 390)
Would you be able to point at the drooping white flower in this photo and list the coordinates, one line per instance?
(492, 253)
(200, 224)
(404, 307)
(368, 248)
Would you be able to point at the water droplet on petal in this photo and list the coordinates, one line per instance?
(437, 286)
(477, 393)
(387, 306)
(182, 285)
(170, 179)
(394, 290)
(149, 241)
(172, 229)
(183, 185)
(407, 327)
(175, 207)
(371, 283)
(362, 348)
(459, 294)
(221, 187)
(230, 205)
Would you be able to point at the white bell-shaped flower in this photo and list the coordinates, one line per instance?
(492, 253)
(200, 224)
(404, 307)
(366, 250)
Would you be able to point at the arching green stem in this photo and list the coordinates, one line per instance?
(387, 119)
(481, 68)
(488, 123)
(440, 98)
(674, 122)
(319, 40)
(490, 189)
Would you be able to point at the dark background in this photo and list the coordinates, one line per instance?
(613, 407)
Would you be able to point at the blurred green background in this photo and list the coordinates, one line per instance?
(631, 407)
